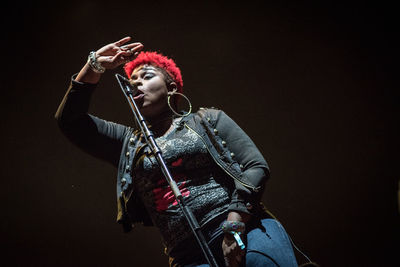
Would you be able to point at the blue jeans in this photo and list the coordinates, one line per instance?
(267, 245)
(271, 247)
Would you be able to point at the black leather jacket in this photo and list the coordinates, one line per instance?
(227, 143)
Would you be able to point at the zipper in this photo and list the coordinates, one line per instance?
(255, 189)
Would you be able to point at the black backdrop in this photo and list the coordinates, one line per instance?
(313, 84)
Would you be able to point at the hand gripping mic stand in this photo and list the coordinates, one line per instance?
(148, 135)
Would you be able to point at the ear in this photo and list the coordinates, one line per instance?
(172, 87)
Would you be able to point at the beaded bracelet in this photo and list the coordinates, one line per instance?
(94, 64)
(235, 228)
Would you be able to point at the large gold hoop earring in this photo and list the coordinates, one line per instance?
(174, 92)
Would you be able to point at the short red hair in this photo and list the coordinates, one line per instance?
(157, 60)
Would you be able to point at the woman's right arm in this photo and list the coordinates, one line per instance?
(102, 139)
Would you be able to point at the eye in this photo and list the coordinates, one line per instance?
(148, 76)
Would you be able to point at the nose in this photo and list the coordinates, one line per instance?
(136, 83)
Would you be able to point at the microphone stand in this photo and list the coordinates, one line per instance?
(148, 135)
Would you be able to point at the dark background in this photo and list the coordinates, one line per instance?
(312, 84)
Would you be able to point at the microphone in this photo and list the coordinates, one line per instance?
(129, 87)
(120, 77)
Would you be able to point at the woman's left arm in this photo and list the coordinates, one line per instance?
(254, 168)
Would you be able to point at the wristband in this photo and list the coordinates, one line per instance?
(235, 228)
(94, 64)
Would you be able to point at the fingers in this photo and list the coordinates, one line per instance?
(122, 57)
(122, 41)
(136, 47)
(131, 46)
(129, 51)
(231, 262)
(119, 58)
(118, 53)
(130, 54)
(113, 49)
(232, 253)
(238, 258)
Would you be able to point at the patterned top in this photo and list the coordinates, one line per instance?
(204, 186)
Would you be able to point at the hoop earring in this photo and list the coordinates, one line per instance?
(187, 99)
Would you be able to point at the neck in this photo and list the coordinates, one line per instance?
(160, 124)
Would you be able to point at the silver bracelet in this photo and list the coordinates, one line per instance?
(94, 64)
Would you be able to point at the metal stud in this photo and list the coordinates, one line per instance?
(249, 206)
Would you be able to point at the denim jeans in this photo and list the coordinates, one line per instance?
(271, 247)
(267, 245)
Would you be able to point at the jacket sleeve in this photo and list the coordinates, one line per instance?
(100, 138)
(253, 166)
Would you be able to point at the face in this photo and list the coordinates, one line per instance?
(152, 90)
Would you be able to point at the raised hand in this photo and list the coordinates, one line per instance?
(118, 53)
(109, 57)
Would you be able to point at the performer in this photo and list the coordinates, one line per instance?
(217, 167)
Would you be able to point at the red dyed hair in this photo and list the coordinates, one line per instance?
(157, 60)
